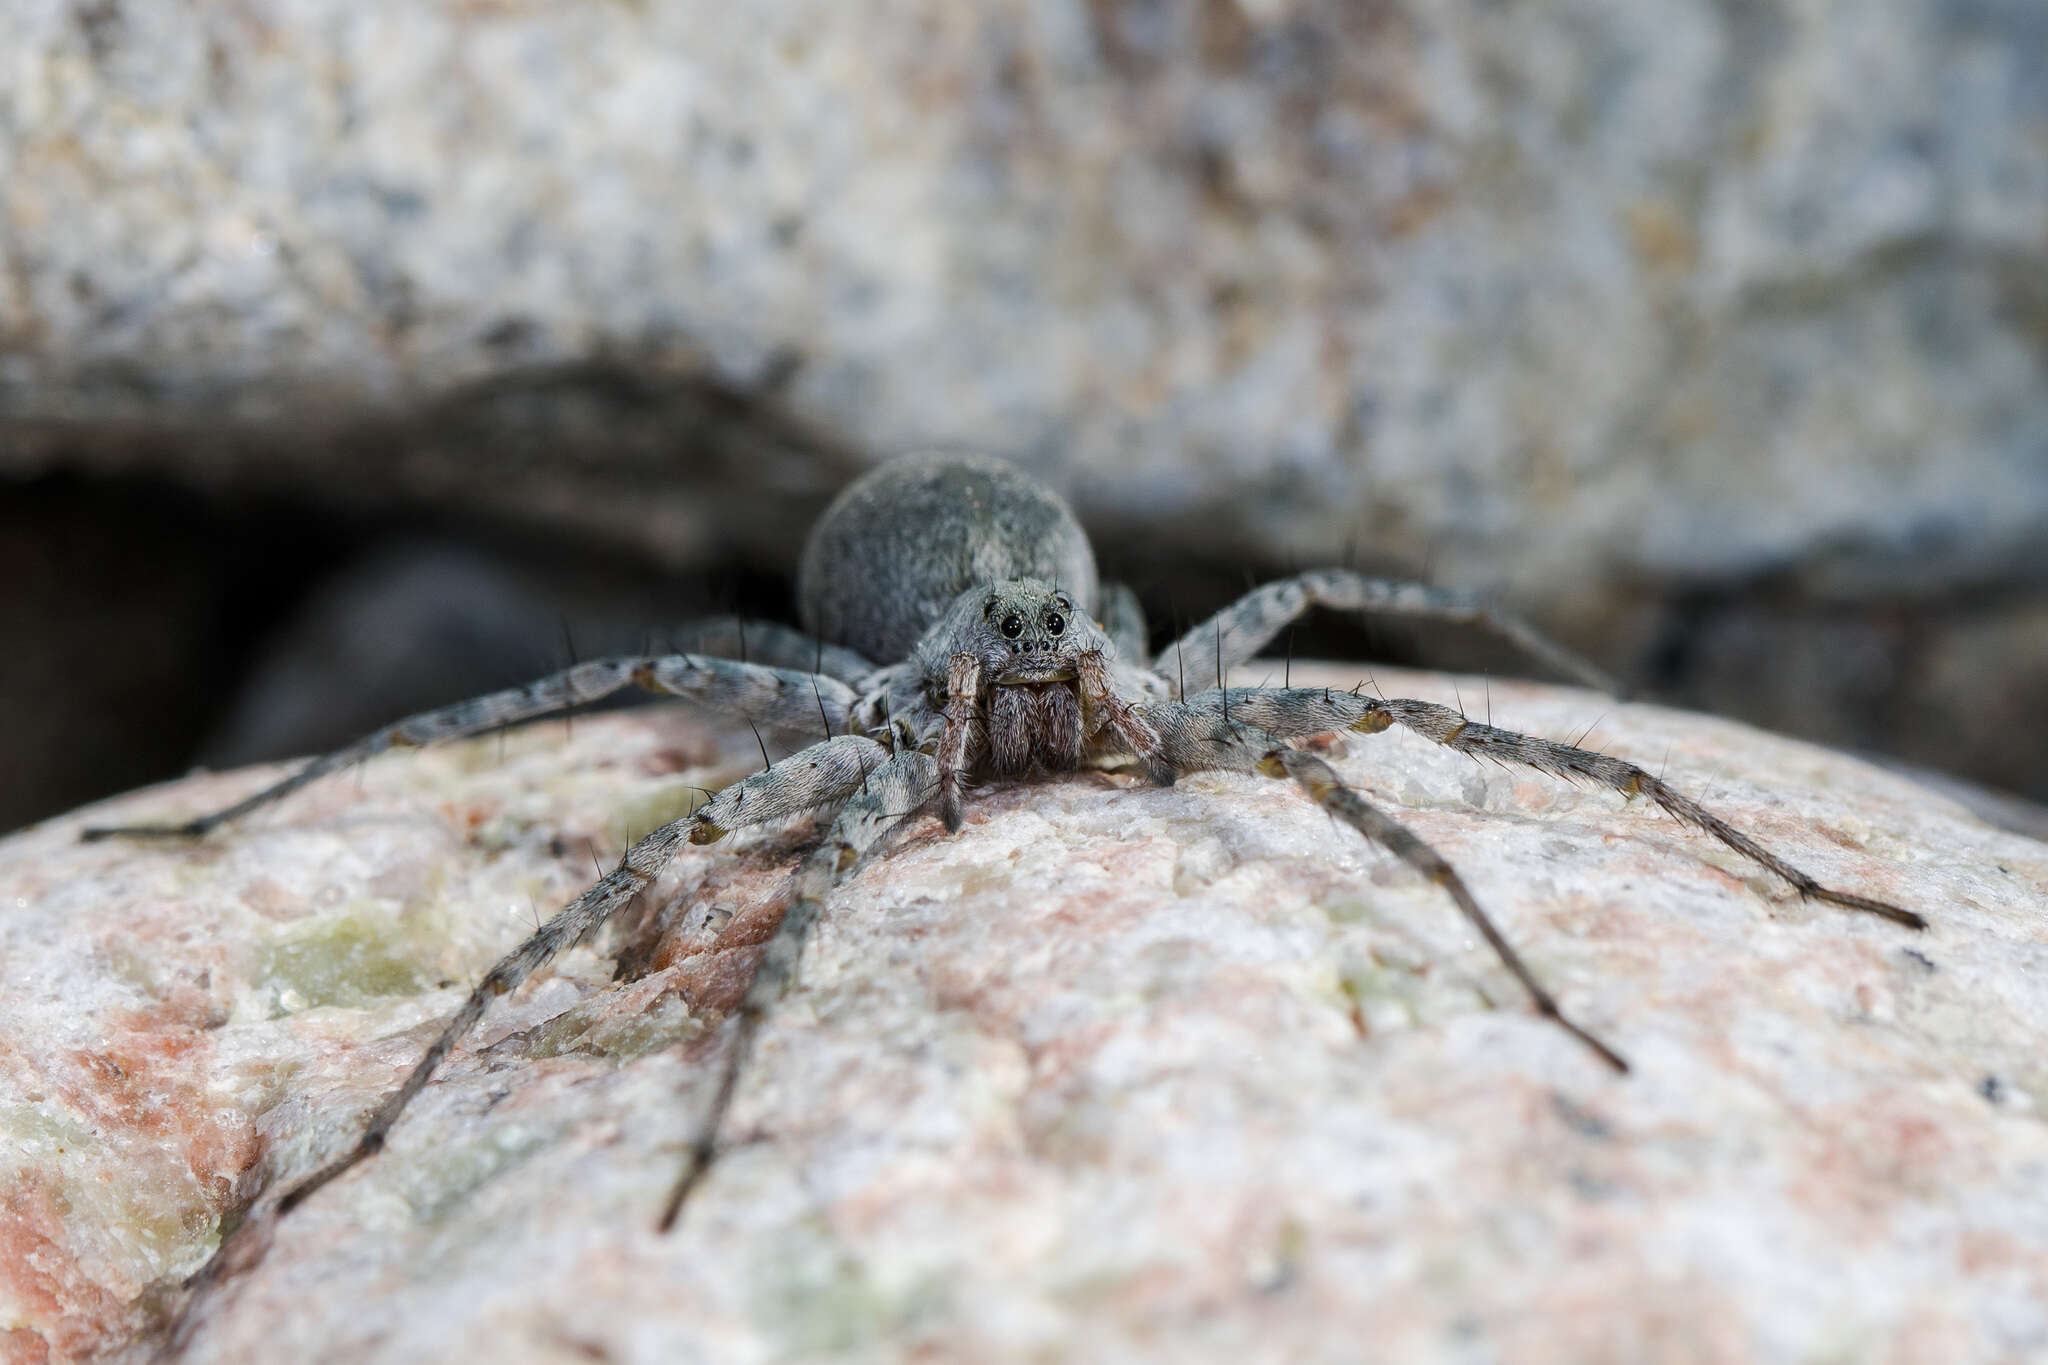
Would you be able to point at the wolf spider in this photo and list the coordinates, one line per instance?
(1013, 658)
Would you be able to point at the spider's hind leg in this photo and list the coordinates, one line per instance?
(892, 793)
(1232, 636)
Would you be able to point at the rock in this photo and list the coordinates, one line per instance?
(1564, 297)
(1117, 1073)
(1612, 311)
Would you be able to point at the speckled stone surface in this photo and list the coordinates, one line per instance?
(1116, 1074)
(1551, 295)
(1709, 335)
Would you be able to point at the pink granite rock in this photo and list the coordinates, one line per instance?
(1117, 1073)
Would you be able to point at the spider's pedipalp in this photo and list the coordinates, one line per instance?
(896, 790)
(964, 733)
(1111, 715)
(1194, 738)
(1454, 731)
(1243, 628)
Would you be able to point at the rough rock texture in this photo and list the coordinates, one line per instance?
(1709, 334)
(1551, 293)
(1115, 1074)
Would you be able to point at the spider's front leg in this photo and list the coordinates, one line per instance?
(821, 777)
(1295, 712)
(1232, 636)
(1193, 736)
(1452, 730)
(770, 643)
(781, 698)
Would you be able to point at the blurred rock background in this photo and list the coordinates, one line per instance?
(353, 358)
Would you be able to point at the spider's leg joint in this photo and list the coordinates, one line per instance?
(1375, 719)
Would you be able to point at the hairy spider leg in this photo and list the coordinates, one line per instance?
(1196, 737)
(1244, 627)
(822, 777)
(1108, 713)
(965, 731)
(1292, 713)
(781, 698)
(1328, 790)
(770, 643)
(1450, 729)
(896, 790)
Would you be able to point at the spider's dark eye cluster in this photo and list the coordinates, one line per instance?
(1013, 625)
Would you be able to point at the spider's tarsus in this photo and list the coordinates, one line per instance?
(693, 1175)
(92, 834)
(1850, 901)
(1599, 1049)
(298, 1194)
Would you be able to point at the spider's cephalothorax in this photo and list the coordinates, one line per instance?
(954, 629)
(1027, 641)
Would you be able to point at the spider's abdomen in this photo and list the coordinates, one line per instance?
(893, 551)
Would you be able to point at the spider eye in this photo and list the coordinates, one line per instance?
(1054, 622)
(1013, 625)
(1063, 602)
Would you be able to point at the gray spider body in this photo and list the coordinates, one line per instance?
(943, 560)
(957, 633)
(895, 550)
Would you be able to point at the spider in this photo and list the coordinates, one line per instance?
(1012, 658)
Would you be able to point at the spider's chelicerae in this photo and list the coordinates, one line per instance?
(1010, 658)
